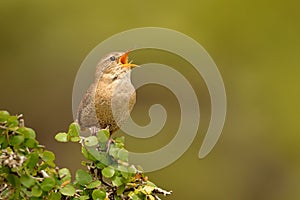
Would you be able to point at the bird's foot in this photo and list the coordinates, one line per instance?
(109, 142)
(94, 130)
(107, 127)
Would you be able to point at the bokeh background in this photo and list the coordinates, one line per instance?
(255, 44)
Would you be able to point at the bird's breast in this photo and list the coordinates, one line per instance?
(114, 102)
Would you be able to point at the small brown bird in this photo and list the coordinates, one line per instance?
(111, 97)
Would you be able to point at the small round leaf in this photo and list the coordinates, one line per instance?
(31, 143)
(74, 130)
(68, 190)
(83, 177)
(48, 184)
(36, 191)
(16, 140)
(103, 135)
(108, 172)
(32, 160)
(123, 155)
(27, 181)
(54, 196)
(117, 181)
(64, 174)
(61, 137)
(91, 141)
(99, 194)
(48, 156)
(94, 184)
(13, 180)
(4, 115)
(12, 121)
(27, 132)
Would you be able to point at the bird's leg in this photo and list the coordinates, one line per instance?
(94, 130)
(107, 127)
(109, 141)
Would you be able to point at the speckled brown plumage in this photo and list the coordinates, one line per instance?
(111, 97)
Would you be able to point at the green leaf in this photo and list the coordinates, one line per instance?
(90, 153)
(151, 184)
(135, 197)
(90, 141)
(4, 170)
(117, 181)
(27, 181)
(100, 165)
(120, 189)
(12, 121)
(95, 153)
(132, 170)
(13, 180)
(94, 184)
(2, 138)
(74, 132)
(124, 171)
(36, 191)
(27, 132)
(113, 151)
(31, 143)
(85, 197)
(103, 158)
(54, 196)
(4, 116)
(123, 155)
(108, 172)
(83, 177)
(61, 137)
(9, 150)
(35, 198)
(42, 166)
(25, 191)
(75, 139)
(99, 194)
(48, 157)
(120, 139)
(148, 189)
(16, 140)
(103, 135)
(32, 160)
(68, 190)
(4, 144)
(48, 184)
(64, 174)
(86, 154)
(117, 197)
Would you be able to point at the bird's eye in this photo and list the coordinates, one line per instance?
(112, 58)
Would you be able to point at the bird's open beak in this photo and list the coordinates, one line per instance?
(123, 61)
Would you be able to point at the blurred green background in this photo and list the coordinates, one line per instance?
(255, 44)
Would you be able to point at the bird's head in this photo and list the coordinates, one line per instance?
(115, 65)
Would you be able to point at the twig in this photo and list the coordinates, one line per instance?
(157, 197)
(161, 191)
(45, 175)
(4, 127)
